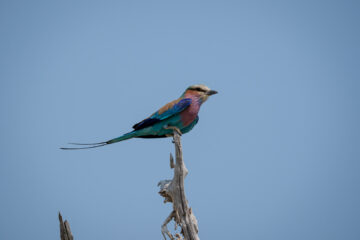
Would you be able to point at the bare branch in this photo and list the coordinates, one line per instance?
(174, 191)
(164, 229)
(172, 165)
(65, 231)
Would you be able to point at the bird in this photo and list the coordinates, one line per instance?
(179, 115)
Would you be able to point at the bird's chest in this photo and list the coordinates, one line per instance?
(190, 114)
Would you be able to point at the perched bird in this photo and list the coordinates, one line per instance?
(180, 115)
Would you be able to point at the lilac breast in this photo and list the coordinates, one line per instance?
(189, 114)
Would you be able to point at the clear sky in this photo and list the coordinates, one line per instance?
(275, 155)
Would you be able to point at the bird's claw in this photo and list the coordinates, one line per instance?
(174, 129)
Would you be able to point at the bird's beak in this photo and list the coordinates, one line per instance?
(211, 92)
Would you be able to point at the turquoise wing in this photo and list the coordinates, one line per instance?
(165, 112)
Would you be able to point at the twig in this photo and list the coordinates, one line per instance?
(65, 231)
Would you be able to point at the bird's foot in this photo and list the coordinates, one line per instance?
(174, 129)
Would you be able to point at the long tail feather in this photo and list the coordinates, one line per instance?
(70, 148)
(101, 144)
(88, 143)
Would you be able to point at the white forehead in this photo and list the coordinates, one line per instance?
(201, 86)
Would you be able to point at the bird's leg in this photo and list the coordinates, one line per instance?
(174, 129)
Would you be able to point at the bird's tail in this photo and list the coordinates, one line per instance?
(101, 144)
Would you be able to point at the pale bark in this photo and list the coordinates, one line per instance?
(174, 191)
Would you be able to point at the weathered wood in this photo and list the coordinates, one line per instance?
(174, 191)
(65, 231)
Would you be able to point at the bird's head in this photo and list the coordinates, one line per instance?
(200, 91)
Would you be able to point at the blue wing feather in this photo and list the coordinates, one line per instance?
(156, 117)
(146, 123)
(177, 108)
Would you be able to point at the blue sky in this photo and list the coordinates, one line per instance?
(275, 154)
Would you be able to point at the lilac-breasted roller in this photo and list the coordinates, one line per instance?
(180, 114)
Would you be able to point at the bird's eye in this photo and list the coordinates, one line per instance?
(199, 89)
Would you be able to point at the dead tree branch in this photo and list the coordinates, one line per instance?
(174, 191)
(65, 231)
